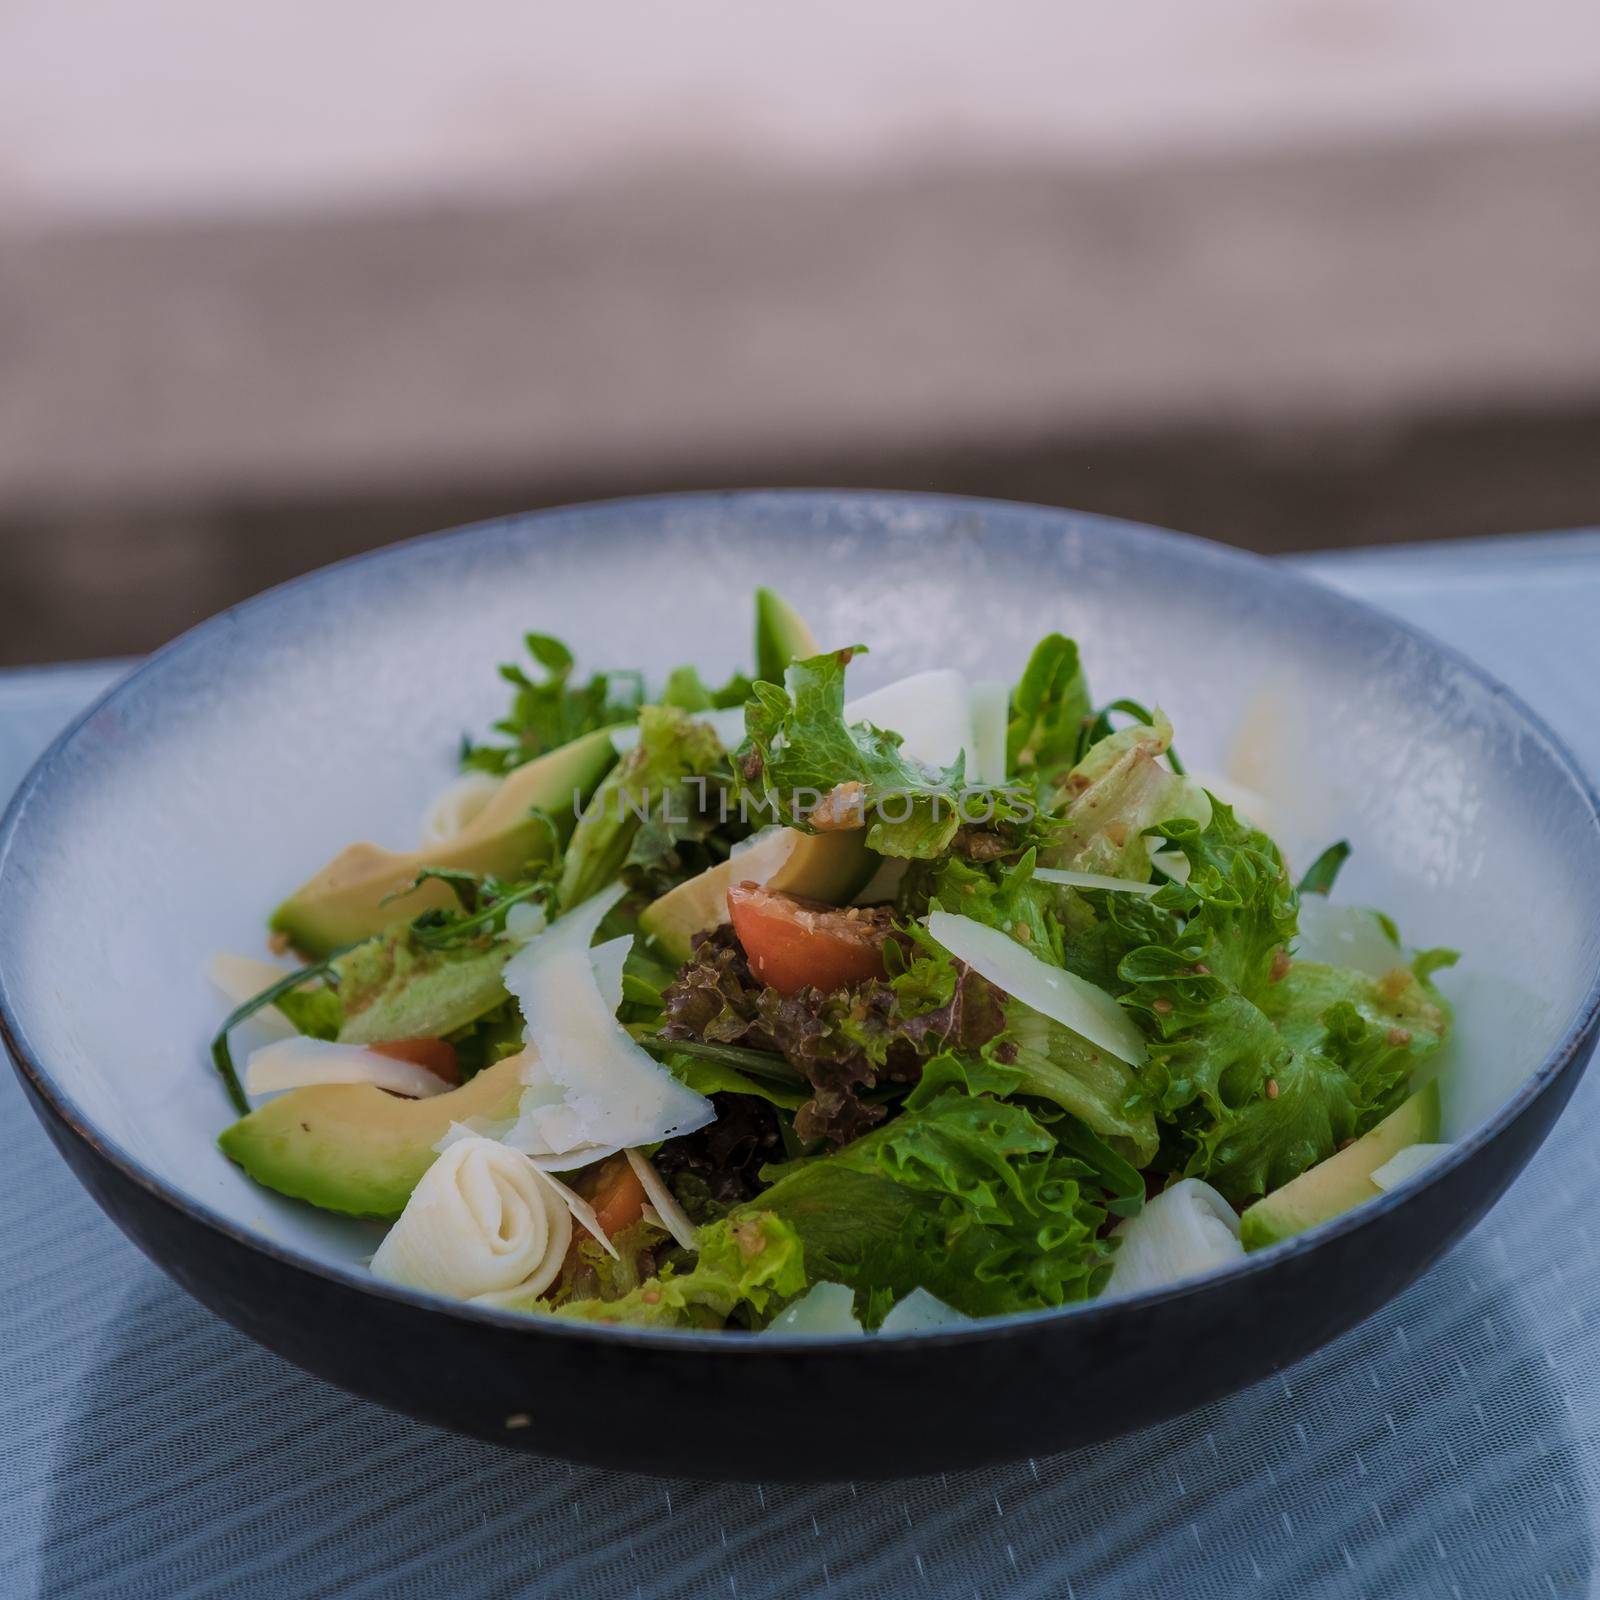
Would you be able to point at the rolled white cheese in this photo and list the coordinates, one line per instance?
(481, 1222)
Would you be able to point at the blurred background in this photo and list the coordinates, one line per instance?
(283, 282)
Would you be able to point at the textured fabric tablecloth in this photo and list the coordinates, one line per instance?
(1450, 1446)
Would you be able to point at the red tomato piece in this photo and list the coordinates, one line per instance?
(792, 944)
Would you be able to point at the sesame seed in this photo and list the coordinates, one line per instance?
(1272, 1088)
(519, 1419)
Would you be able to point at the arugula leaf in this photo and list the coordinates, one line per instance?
(1322, 873)
(273, 994)
(1050, 710)
(551, 711)
(654, 779)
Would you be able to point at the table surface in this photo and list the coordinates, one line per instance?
(1450, 1446)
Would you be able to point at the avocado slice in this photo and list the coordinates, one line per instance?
(350, 1147)
(781, 636)
(815, 866)
(1343, 1181)
(347, 900)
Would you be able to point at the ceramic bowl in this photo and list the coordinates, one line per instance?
(166, 822)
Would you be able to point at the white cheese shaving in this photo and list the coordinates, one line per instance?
(591, 1090)
(481, 1223)
(1093, 880)
(825, 1308)
(662, 1200)
(457, 805)
(931, 711)
(300, 1063)
(1406, 1164)
(1186, 1230)
(241, 978)
(920, 1312)
(580, 1208)
(1060, 995)
(991, 709)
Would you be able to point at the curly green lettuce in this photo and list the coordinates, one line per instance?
(799, 748)
(1259, 1067)
(965, 1195)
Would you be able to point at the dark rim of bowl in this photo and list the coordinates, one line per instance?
(1375, 1212)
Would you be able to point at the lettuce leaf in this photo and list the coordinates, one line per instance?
(1050, 709)
(1259, 1067)
(749, 1265)
(798, 748)
(1117, 791)
(653, 780)
(964, 1195)
(1003, 895)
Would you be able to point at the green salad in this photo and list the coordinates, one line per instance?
(788, 1004)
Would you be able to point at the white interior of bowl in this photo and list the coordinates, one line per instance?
(231, 768)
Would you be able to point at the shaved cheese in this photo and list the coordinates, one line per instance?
(920, 1312)
(1406, 1164)
(825, 1308)
(1060, 995)
(1346, 936)
(991, 711)
(1093, 880)
(580, 1208)
(480, 1222)
(673, 1217)
(1187, 1230)
(590, 1088)
(931, 711)
(457, 805)
(1172, 862)
(241, 978)
(299, 1063)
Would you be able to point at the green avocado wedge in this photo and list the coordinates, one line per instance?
(830, 867)
(350, 1147)
(347, 901)
(781, 636)
(1343, 1181)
